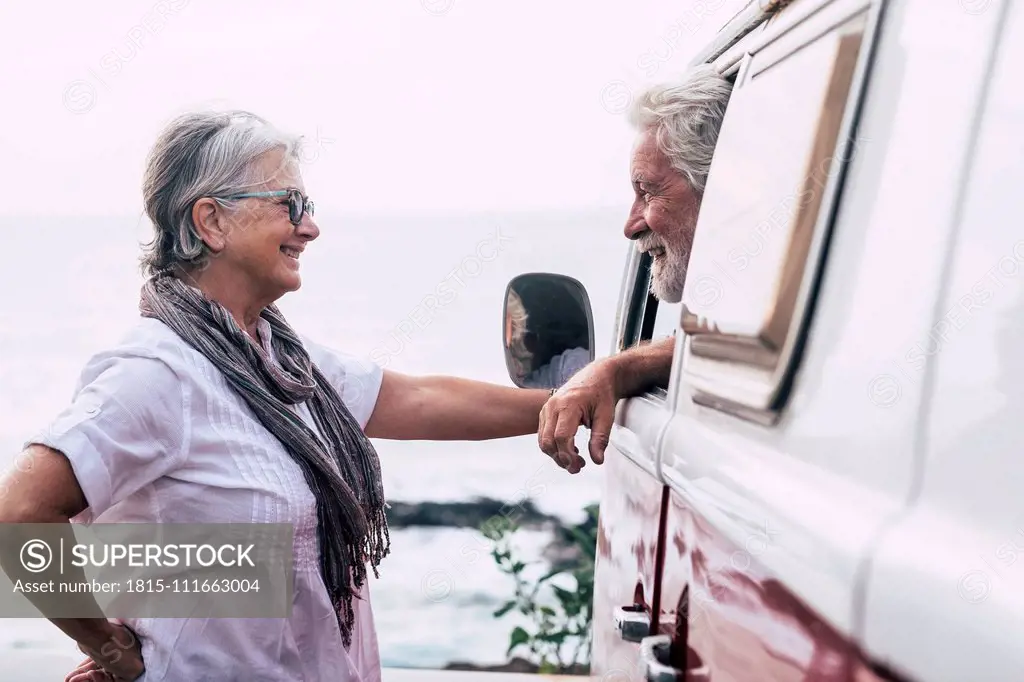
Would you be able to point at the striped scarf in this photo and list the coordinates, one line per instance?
(342, 471)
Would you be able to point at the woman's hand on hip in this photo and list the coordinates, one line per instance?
(119, 659)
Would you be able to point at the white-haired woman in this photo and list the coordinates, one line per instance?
(212, 409)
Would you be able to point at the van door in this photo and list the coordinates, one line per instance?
(625, 595)
(945, 598)
(822, 233)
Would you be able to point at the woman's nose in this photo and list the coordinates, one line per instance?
(307, 228)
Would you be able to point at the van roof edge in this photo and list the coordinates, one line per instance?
(755, 13)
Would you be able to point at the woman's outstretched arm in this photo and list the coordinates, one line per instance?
(451, 408)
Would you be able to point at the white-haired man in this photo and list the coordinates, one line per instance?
(677, 129)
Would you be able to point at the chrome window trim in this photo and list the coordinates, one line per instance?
(734, 386)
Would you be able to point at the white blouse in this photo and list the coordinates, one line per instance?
(155, 434)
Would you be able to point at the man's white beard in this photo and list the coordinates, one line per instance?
(668, 275)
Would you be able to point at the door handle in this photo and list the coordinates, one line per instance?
(654, 651)
(633, 622)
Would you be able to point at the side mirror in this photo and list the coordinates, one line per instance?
(547, 329)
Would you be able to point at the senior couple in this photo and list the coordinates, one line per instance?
(213, 409)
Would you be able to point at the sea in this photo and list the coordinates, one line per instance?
(370, 282)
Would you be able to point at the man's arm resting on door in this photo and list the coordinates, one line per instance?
(589, 399)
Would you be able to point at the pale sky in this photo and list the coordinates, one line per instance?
(419, 105)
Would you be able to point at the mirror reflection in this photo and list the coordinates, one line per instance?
(548, 330)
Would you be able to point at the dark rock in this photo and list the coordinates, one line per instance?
(515, 665)
(565, 552)
(562, 556)
(469, 514)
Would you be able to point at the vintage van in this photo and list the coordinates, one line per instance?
(830, 486)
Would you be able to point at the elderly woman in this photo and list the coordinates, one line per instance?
(212, 409)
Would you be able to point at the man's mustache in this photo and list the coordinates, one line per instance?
(649, 243)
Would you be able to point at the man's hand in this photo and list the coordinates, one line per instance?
(588, 399)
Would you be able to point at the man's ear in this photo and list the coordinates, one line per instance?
(209, 218)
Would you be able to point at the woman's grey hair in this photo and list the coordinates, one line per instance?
(685, 118)
(202, 154)
(516, 313)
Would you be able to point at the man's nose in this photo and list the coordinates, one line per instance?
(635, 225)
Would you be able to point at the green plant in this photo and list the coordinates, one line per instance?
(559, 618)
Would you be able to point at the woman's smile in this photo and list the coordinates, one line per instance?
(291, 254)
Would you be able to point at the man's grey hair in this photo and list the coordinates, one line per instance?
(202, 154)
(685, 118)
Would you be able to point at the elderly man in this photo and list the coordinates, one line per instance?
(677, 128)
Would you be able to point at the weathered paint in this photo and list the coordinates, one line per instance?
(626, 561)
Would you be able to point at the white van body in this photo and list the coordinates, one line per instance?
(831, 486)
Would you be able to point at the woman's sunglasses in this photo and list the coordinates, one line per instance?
(297, 204)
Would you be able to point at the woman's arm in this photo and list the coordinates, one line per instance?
(450, 408)
(42, 488)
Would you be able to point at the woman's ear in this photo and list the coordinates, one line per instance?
(207, 216)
